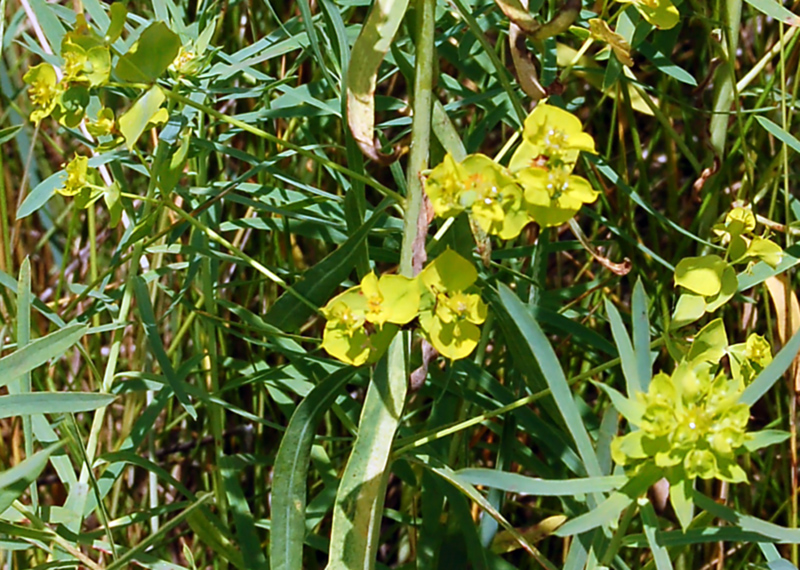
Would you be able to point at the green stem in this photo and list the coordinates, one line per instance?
(358, 510)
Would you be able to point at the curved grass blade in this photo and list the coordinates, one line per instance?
(39, 351)
(537, 350)
(516, 483)
(747, 523)
(359, 501)
(291, 469)
(156, 344)
(609, 510)
(453, 478)
(368, 52)
(14, 481)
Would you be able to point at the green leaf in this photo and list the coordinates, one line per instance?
(370, 48)
(775, 129)
(9, 133)
(651, 529)
(150, 56)
(516, 483)
(358, 510)
(151, 331)
(117, 24)
(626, 355)
(289, 492)
(776, 11)
(39, 351)
(538, 350)
(641, 334)
(111, 196)
(247, 537)
(630, 409)
(15, 480)
(764, 438)
(133, 123)
(680, 497)
(318, 283)
(51, 403)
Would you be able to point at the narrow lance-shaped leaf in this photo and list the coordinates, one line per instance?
(368, 52)
(291, 469)
(39, 351)
(359, 502)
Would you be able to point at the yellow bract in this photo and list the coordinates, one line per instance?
(661, 13)
(551, 135)
(77, 179)
(538, 185)
(363, 319)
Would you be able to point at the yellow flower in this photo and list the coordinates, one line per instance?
(494, 199)
(551, 135)
(363, 319)
(449, 315)
(553, 196)
(44, 90)
(444, 186)
(77, 180)
(660, 13)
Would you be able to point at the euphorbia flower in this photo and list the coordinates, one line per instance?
(660, 13)
(554, 195)
(104, 125)
(689, 422)
(493, 198)
(363, 319)
(448, 314)
(77, 176)
(551, 135)
(444, 186)
(90, 66)
(44, 90)
(749, 358)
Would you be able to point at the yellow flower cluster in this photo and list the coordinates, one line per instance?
(538, 185)
(362, 321)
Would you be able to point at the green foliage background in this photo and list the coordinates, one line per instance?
(179, 409)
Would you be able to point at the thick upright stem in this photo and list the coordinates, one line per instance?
(420, 131)
(359, 502)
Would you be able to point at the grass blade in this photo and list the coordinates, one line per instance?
(359, 502)
(627, 357)
(51, 403)
(39, 351)
(291, 469)
(541, 352)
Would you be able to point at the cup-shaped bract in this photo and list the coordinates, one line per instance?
(551, 135)
(553, 195)
(449, 314)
